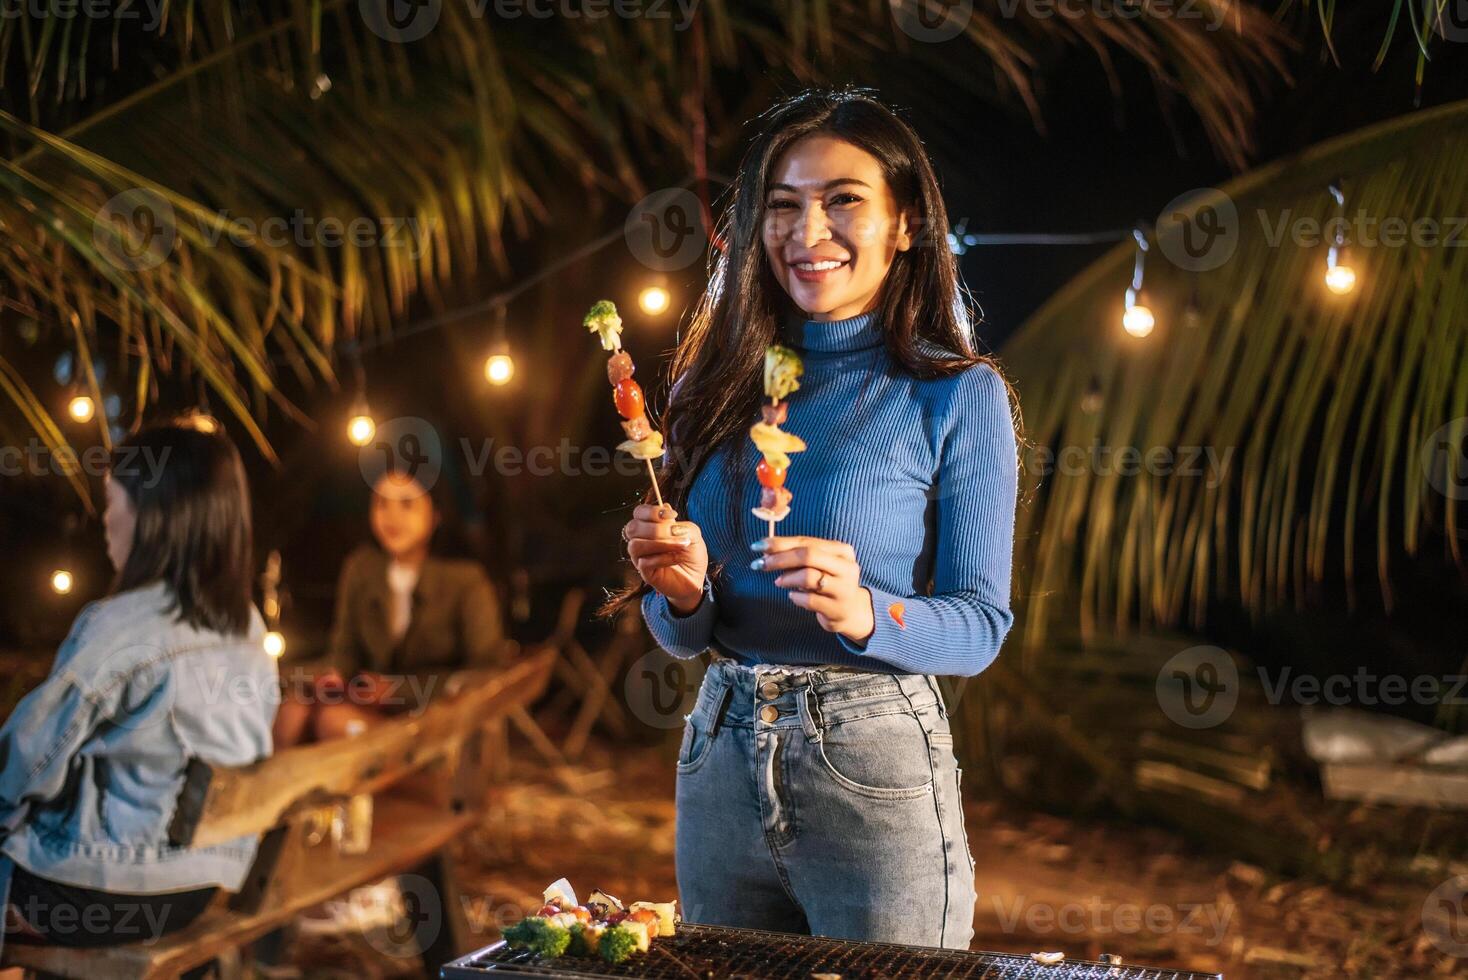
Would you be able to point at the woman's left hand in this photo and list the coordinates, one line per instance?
(824, 577)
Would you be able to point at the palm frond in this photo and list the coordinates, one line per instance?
(1325, 413)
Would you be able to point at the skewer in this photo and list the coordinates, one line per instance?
(643, 442)
(659, 493)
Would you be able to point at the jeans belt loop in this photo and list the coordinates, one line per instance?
(810, 712)
(720, 707)
(937, 693)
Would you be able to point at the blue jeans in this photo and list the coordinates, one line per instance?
(823, 800)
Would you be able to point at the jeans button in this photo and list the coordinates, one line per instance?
(769, 690)
(768, 714)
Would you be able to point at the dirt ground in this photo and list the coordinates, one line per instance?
(1043, 883)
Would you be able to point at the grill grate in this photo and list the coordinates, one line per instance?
(699, 952)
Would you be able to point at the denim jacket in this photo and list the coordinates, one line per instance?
(92, 760)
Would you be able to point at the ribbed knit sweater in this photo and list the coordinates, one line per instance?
(918, 475)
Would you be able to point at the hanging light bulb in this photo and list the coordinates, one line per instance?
(654, 300)
(275, 643)
(62, 581)
(499, 367)
(1138, 320)
(81, 408)
(361, 428)
(1340, 278)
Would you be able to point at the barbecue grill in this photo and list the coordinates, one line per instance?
(699, 952)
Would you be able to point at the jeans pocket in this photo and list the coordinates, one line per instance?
(883, 757)
(696, 743)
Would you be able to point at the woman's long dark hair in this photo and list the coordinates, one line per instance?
(718, 366)
(187, 486)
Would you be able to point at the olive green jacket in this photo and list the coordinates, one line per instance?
(456, 622)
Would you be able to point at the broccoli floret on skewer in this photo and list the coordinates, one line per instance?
(603, 320)
(539, 936)
(617, 943)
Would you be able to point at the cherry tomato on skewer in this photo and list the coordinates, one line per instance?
(628, 398)
(770, 475)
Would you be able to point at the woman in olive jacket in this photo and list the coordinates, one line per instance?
(407, 624)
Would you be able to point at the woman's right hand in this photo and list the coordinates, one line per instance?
(670, 555)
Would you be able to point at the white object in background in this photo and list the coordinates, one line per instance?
(1351, 735)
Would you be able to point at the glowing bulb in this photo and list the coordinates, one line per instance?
(499, 369)
(81, 408)
(361, 429)
(1340, 279)
(274, 643)
(654, 300)
(61, 581)
(1138, 320)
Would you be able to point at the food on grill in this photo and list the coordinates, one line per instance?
(602, 927)
(541, 935)
(1047, 959)
(643, 441)
(782, 369)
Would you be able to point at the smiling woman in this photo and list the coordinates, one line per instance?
(831, 241)
(897, 564)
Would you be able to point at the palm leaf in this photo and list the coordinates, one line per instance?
(1335, 410)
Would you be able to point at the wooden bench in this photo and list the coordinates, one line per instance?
(428, 775)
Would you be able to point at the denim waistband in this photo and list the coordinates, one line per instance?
(737, 692)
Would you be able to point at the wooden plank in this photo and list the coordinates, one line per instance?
(1175, 779)
(1400, 784)
(253, 799)
(405, 834)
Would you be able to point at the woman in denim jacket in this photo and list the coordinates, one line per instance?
(817, 787)
(169, 667)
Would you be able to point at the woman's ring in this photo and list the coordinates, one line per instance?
(820, 581)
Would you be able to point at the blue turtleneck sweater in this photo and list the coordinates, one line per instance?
(919, 476)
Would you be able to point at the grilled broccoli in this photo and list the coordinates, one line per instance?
(539, 936)
(603, 320)
(783, 369)
(578, 945)
(617, 943)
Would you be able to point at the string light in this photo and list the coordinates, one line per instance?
(360, 427)
(1340, 278)
(1138, 319)
(499, 367)
(81, 408)
(62, 581)
(654, 300)
(275, 643)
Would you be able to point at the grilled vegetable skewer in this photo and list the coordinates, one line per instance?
(783, 369)
(643, 441)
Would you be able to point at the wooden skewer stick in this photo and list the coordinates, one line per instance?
(656, 492)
